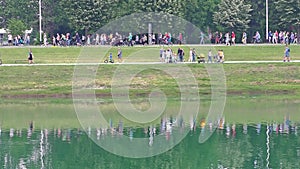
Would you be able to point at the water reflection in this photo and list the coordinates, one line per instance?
(262, 145)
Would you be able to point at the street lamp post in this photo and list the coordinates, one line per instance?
(40, 19)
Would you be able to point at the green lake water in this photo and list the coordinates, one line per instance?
(71, 148)
(250, 134)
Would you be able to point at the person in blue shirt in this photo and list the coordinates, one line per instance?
(110, 57)
(270, 36)
(287, 54)
(130, 40)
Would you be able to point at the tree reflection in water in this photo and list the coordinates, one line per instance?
(232, 145)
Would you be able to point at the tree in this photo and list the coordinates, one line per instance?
(26, 11)
(200, 12)
(2, 17)
(258, 15)
(160, 8)
(92, 15)
(16, 27)
(233, 15)
(289, 11)
(89, 15)
(54, 19)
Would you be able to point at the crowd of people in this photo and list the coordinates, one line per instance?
(170, 56)
(229, 38)
(166, 55)
(119, 39)
(116, 39)
(18, 40)
(219, 38)
(281, 37)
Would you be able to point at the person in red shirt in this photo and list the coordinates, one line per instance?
(233, 38)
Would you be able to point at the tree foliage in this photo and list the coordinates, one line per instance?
(53, 16)
(26, 11)
(290, 14)
(200, 13)
(54, 19)
(16, 27)
(90, 14)
(258, 15)
(233, 15)
(61, 16)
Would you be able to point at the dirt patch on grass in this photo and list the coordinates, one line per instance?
(108, 95)
(259, 92)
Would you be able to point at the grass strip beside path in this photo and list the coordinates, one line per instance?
(144, 54)
(242, 79)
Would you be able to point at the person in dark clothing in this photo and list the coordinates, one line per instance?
(30, 57)
(180, 54)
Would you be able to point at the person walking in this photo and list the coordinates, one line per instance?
(10, 39)
(180, 39)
(180, 54)
(191, 55)
(30, 57)
(209, 56)
(130, 39)
(201, 38)
(244, 38)
(232, 38)
(270, 36)
(161, 54)
(45, 39)
(287, 54)
(227, 39)
(257, 37)
(120, 55)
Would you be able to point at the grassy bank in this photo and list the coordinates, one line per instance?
(242, 80)
(146, 54)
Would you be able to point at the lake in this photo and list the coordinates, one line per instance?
(250, 147)
(249, 134)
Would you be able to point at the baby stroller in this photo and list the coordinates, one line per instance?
(109, 60)
(201, 58)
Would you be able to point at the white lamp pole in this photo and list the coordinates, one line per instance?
(40, 19)
(267, 19)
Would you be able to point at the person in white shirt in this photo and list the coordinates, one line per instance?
(191, 56)
(227, 39)
(10, 39)
(45, 39)
(168, 55)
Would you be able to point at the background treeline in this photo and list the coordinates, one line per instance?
(87, 16)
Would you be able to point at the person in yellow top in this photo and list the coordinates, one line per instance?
(221, 56)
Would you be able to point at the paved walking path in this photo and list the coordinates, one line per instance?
(136, 63)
